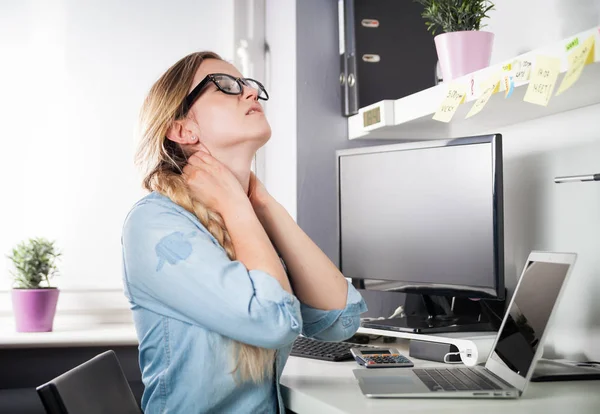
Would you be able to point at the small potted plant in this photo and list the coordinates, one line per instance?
(34, 299)
(462, 48)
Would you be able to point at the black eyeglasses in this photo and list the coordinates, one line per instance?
(226, 84)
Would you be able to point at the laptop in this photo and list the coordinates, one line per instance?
(517, 347)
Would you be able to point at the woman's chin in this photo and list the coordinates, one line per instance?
(256, 134)
(254, 140)
(261, 136)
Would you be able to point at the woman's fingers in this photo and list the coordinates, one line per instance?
(198, 159)
(190, 172)
(203, 148)
(211, 182)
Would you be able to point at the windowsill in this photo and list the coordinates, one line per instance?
(69, 335)
(87, 317)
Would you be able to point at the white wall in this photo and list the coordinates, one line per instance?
(538, 213)
(523, 25)
(280, 151)
(542, 215)
(73, 77)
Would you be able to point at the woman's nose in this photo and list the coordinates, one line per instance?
(249, 93)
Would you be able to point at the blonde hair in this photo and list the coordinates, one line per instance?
(162, 162)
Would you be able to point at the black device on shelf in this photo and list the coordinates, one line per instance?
(425, 220)
(323, 350)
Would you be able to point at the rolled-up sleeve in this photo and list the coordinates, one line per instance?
(334, 325)
(174, 267)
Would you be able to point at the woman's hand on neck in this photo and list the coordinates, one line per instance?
(237, 159)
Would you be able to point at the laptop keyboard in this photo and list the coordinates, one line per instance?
(454, 379)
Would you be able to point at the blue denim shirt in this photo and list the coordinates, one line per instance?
(189, 301)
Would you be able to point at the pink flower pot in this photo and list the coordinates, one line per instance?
(463, 52)
(34, 309)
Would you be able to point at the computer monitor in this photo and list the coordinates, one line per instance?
(424, 217)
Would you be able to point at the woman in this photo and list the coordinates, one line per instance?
(215, 310)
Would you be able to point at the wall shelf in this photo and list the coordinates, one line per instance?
(411, 117)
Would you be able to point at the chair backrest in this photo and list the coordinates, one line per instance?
(97, 386)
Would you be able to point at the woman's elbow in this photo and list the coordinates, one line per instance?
(280, 336)
(343, 328)
(281, 329)
(352, 325)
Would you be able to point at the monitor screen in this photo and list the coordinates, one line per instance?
(528, 315)
(414, 217)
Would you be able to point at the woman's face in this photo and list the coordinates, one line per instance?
(226, 120)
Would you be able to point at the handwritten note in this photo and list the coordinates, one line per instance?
(543, 80)
(573, 43)
(506, 79)
(581, 56)
(509, 85)
(522, 70)
(454, 97)
(471, 85)
(491, 85)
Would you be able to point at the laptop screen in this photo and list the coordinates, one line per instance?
(529, 314)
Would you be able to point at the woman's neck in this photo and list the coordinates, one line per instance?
(238, 162)
(237, 158)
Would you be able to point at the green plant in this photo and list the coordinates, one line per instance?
(34, 262)
(455, 15)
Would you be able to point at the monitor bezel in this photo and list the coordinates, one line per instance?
(496, 292)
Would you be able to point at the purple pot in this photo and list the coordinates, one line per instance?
(463, 52)
(34, 309)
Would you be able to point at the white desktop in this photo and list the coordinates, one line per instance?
(311, 386)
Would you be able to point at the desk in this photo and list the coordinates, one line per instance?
(320, 387)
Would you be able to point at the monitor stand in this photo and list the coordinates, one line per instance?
(428, 314)
(422, 325)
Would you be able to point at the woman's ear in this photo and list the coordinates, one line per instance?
(181, 133)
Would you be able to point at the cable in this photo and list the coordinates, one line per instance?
(398, 312)
(449, 354)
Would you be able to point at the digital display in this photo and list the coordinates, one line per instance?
(374, 351)
(372, 116)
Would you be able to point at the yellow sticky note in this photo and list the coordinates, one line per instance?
(483, 85)
(492, 85)
(543, 80)
(497, 87)
(592, 54)
(455, 96)
(580, 57)
(506, 78)
(522, 70)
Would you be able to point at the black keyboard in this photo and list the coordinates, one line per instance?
(326, 351)
(455, 379)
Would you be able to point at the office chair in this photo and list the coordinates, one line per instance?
(97, 386)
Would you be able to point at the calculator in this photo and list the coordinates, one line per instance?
(380, 358)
